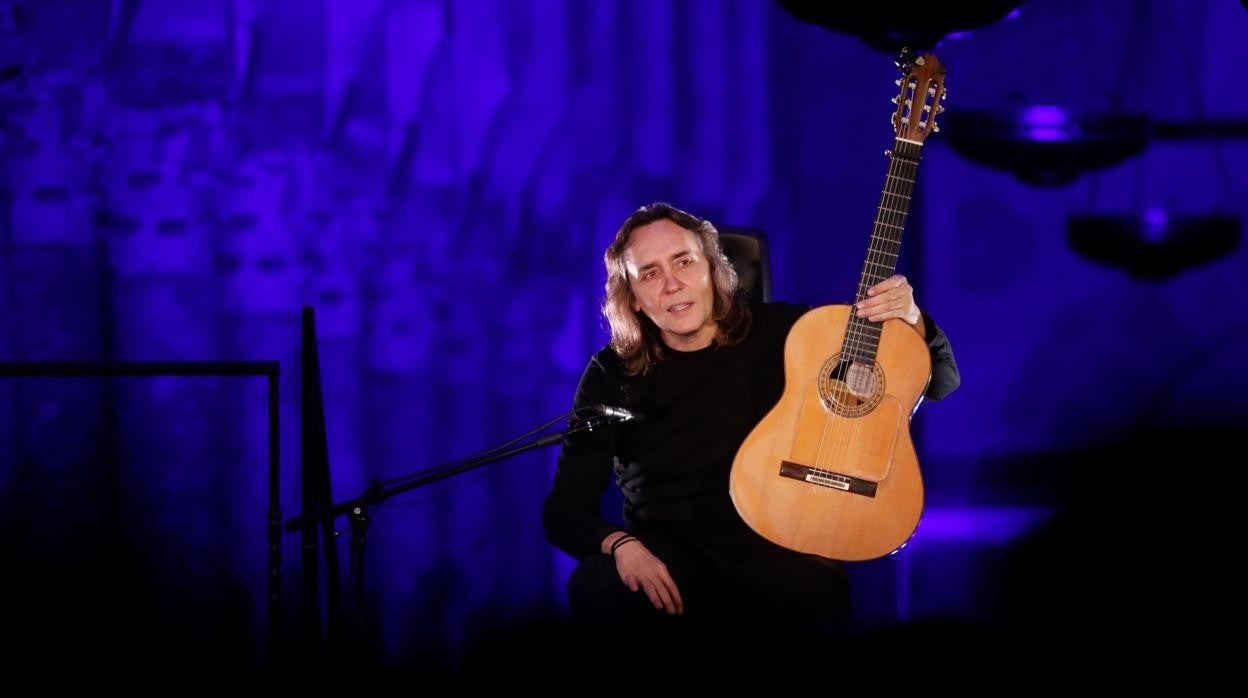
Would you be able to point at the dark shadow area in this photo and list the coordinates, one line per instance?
(1136, 559)
(715, 656)
(99, 605)
(1132, 569)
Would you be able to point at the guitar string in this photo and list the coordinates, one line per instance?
(850, 348)
(865, 348)
(893, 223)
(858, 342)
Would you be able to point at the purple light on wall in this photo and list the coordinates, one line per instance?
(959, 35)
(1155, 220)
(1046, 124)
(986, 525)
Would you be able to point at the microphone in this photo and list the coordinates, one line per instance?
(615, 414)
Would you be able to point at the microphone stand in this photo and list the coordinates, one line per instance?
(357, 509)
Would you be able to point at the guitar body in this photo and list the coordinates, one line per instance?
(837, 478)
(831, 470)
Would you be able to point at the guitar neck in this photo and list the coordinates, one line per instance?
(862, 336)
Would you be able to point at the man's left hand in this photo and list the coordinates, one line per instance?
(892, 298)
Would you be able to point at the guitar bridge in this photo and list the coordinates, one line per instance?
(827, 478)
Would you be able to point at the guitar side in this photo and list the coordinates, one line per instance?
(836, 479)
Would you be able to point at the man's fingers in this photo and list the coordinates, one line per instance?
(678, 604)
(652, 578)
(652, 591)
(665, 598)
(885, 304)
(672, 593)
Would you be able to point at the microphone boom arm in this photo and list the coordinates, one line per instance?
(377, 494)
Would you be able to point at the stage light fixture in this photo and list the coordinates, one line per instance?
(891, 26)
(1045, 145)
(1154, 244)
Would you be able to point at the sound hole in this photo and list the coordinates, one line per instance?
(850, 388)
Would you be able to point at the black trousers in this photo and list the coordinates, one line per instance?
(728, 578)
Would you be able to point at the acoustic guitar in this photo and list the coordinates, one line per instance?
(831, 469)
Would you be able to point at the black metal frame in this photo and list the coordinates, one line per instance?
(268, 369)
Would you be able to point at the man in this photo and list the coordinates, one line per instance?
(689, 351)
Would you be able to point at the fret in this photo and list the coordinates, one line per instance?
(900, 179)
(865, 325)
(865, 356)
(865, 329)
(864, 349)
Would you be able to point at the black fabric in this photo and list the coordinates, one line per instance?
(731, 574)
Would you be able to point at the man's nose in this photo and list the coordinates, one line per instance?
(671, 282)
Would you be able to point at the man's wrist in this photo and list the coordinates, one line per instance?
(605, 546)
(620, 542)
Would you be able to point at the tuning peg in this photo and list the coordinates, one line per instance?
(893, 100)
(931, 92)
(897, 82)
(940, 110)
(935, 127)
(904, 57)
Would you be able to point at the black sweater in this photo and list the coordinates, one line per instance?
(673, 467)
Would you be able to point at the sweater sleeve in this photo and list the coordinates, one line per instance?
(945, 375)
(572, 514)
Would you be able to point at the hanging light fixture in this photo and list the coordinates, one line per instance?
(891, 26)
(1154, 244)
(1043, 144)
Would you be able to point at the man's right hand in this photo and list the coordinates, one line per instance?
(640, 569)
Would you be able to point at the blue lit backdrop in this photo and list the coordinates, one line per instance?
(438, 180)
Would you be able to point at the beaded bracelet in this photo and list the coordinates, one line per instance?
(621, 541)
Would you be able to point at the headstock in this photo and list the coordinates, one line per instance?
(921, 97)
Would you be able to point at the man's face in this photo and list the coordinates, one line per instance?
(671, 282)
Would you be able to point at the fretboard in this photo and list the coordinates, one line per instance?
(862, 337)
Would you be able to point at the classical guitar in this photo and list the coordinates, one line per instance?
(831, 470)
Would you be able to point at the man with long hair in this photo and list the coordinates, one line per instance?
(692, 352)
